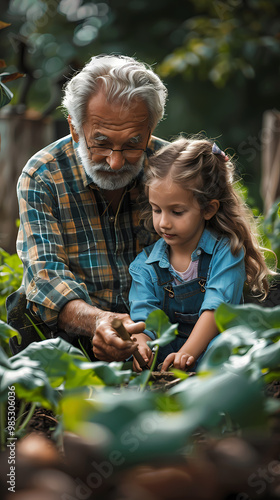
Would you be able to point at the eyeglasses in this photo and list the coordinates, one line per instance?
(128, 154)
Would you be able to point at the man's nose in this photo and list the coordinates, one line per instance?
(116, 160)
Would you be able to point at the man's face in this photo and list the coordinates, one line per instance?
(117, 127)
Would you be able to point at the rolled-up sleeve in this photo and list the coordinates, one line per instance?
(142, 295)
(226, 277)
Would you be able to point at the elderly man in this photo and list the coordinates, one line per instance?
(79, 208)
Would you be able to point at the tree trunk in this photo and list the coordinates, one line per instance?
(270, 185)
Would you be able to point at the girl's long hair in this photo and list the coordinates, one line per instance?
(191, 162)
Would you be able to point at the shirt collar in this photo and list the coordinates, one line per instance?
(85, 178)
(159, 252)
(206, 243)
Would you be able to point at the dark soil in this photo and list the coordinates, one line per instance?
(43, 422)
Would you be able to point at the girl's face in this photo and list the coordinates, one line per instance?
(177, 216)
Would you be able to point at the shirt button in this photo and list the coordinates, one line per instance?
(198, 252)
(111, 218)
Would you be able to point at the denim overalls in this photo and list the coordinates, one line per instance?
(181, 302)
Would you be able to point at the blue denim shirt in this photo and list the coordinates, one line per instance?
(225, 279)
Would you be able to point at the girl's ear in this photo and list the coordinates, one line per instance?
(73, 132)
(211, 210)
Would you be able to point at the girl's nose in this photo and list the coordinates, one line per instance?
(116, 160)
(164, 221)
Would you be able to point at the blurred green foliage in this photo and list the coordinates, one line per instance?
(11, 272)
(5, 94)
(271, 229)
(101, 399)
(220, 61)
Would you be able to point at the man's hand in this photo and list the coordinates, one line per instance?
(81, 318)
(107, 345)
(144, 350)
(180, 360)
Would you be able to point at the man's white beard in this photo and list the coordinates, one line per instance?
(102, 174)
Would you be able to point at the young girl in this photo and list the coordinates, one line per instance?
(206, 251)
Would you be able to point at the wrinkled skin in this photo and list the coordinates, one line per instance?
(83, 319)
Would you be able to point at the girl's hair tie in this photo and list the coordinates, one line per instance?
(217, 151)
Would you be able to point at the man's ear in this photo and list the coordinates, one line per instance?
(73, 132)
(211, 210)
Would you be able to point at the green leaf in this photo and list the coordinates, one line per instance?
(272, 334)
(255, 318)
(30, 381)
(110, 409)
(41, 335)
(11, 272)
(179, 373)
(268, 357)
(77, 414)
(140, 379)
(6, 332)
(111, 373)
(227, 391)
(64, 363)
(5, 95)
(236, 340)
(159, 323)
(272, 376)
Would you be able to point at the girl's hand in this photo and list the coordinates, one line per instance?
(144, 350)
(180, 360)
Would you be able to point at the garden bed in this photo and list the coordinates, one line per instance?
(100, 431)
(227, 468)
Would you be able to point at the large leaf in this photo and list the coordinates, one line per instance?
(238, 393)
(268, 357)
(116, 410)
(136, 429)
(30, 381)
(11, 272)
(255, 318)
(234, 346)
(64, 363)
(159, 323)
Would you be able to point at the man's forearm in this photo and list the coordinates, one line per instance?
(78, 317)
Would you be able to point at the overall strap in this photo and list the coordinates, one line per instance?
(203, 264)
(165, 277)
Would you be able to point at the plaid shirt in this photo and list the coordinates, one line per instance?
(71, 243)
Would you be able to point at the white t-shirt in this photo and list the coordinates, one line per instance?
(189, 274)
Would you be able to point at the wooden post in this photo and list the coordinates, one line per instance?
(21, 137)
(270, 184)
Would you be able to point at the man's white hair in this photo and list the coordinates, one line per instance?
(122, 79)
